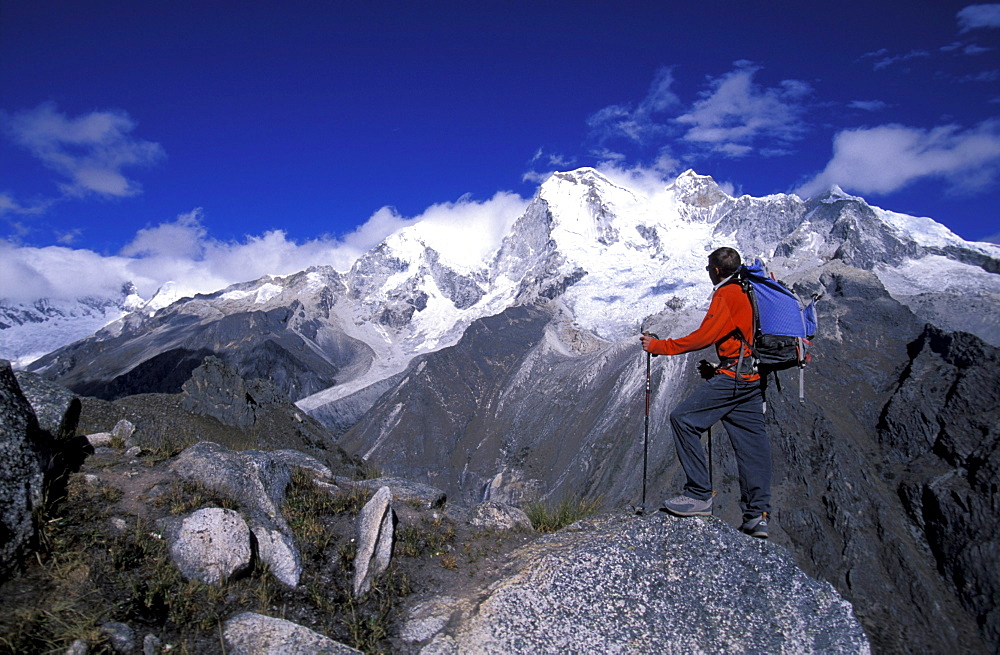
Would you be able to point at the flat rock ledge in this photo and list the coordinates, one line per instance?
(626, 584)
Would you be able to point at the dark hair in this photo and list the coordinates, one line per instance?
(726, 260)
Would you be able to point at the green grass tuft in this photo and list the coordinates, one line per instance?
(550, 518)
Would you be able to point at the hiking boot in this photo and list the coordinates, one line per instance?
(687, 506)
(756, 526)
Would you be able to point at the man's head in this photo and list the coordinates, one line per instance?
(722, 263)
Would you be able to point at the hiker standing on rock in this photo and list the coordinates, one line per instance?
(732, 396)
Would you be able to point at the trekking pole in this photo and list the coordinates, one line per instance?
(641, 509)
(711, 472)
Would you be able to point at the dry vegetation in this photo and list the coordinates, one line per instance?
(101, 557)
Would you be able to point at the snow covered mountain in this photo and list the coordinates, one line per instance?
(610, 254)
(29, 330)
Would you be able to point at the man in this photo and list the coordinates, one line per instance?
(733, 396)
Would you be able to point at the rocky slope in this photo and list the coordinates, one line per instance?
(244, 551)
(511, 413)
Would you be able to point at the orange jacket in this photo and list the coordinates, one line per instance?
(730, 309)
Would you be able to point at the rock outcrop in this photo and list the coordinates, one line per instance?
(946, 459)
(216, 390)
(622, 584)
(21, 471)
(256, 480)
(56, 407)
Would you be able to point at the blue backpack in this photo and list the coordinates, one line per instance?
(784, 325)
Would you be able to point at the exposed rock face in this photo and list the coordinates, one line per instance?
(256, 634)
(216, 390)
(21, 472)
(279, 329)
(941, 431)
(837, 501)
(210, 545)
(451, 389)
(618, 584)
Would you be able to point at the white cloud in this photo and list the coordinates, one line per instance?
(467, 230)
(184, 238)
(734, 117)
(90, 150)
(979, 16)
(734, 114)
(885, 62)
(989, 77)
(886, 158)
(28, 274)
(553, 162)
(652, 180)
(868, 105)
(642, 123)
(182, 251)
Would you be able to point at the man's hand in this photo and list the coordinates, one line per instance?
(647, 339)
(706, 369)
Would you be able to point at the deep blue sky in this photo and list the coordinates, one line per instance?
(308, 117)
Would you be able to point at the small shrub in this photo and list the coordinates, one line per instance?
(304, 509)
(367, 619)
(187, 496)
(547, 518)
(426, 538)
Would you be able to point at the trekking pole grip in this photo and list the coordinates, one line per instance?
(653, 335)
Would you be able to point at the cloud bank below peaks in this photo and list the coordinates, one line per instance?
(183, 252)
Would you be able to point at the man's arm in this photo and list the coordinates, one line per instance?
(718, 322)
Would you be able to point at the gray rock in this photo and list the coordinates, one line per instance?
(621, 584)
(427, 619)
(278, 549)
(255, 634)
(78, 647)
(256, 480)
(210, 545)
(122, 637)
(21, 472)
(151, 645)
(499, 516)
(100, 439)
(56, 407)
(123, 430)
(376, 524)
(217, 390)
(403, 491)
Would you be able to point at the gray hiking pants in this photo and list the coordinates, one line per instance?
(739, 405)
